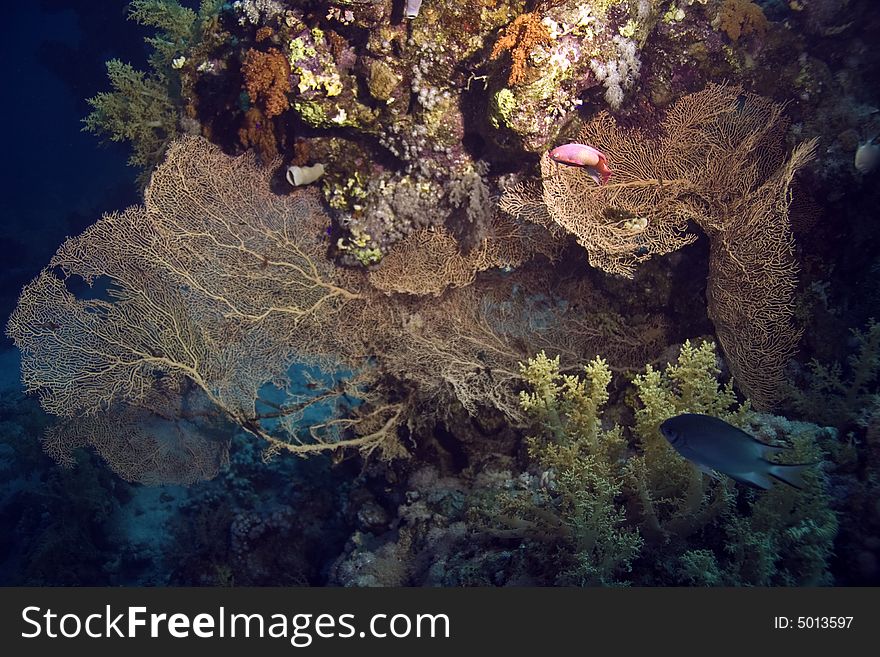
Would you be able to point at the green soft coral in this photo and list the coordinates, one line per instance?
(605, 499)
(359, 244)
(319, 76)
(837, 396)
(143, 108)
(176, 25)
(676, 500)
(778, 537)
(138, 110)
(690, 385)
(788, 537)
(584, 459)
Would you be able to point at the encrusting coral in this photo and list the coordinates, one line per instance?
(738, 18)
(559, 51)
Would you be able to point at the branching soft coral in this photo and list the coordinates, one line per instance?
(700, 530)
(782, 536)
(523, 34)
(690, 385)
(138, 110)
(836, 398)
(674, 497)
(143, 108)
(585, 465)
(267, 80)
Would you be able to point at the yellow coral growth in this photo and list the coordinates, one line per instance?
(267, 80)
(523, 34)
(741, 18)
(690, 385)
(567, 406)
(585, 462)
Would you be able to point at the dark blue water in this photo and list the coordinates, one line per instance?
(84, 525)
(55, 180)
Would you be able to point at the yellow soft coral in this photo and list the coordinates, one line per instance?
(584, 462)
(675, 498)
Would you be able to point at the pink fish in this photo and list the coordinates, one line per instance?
(581, 155)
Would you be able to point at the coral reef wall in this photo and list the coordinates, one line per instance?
(358, 242)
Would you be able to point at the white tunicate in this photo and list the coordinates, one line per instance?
(412, 8)
(297, 176)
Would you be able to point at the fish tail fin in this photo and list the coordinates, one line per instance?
(790, 474)
(776, 449)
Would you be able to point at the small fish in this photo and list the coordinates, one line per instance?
(713, 444)
(582, 155)
(867, 156)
